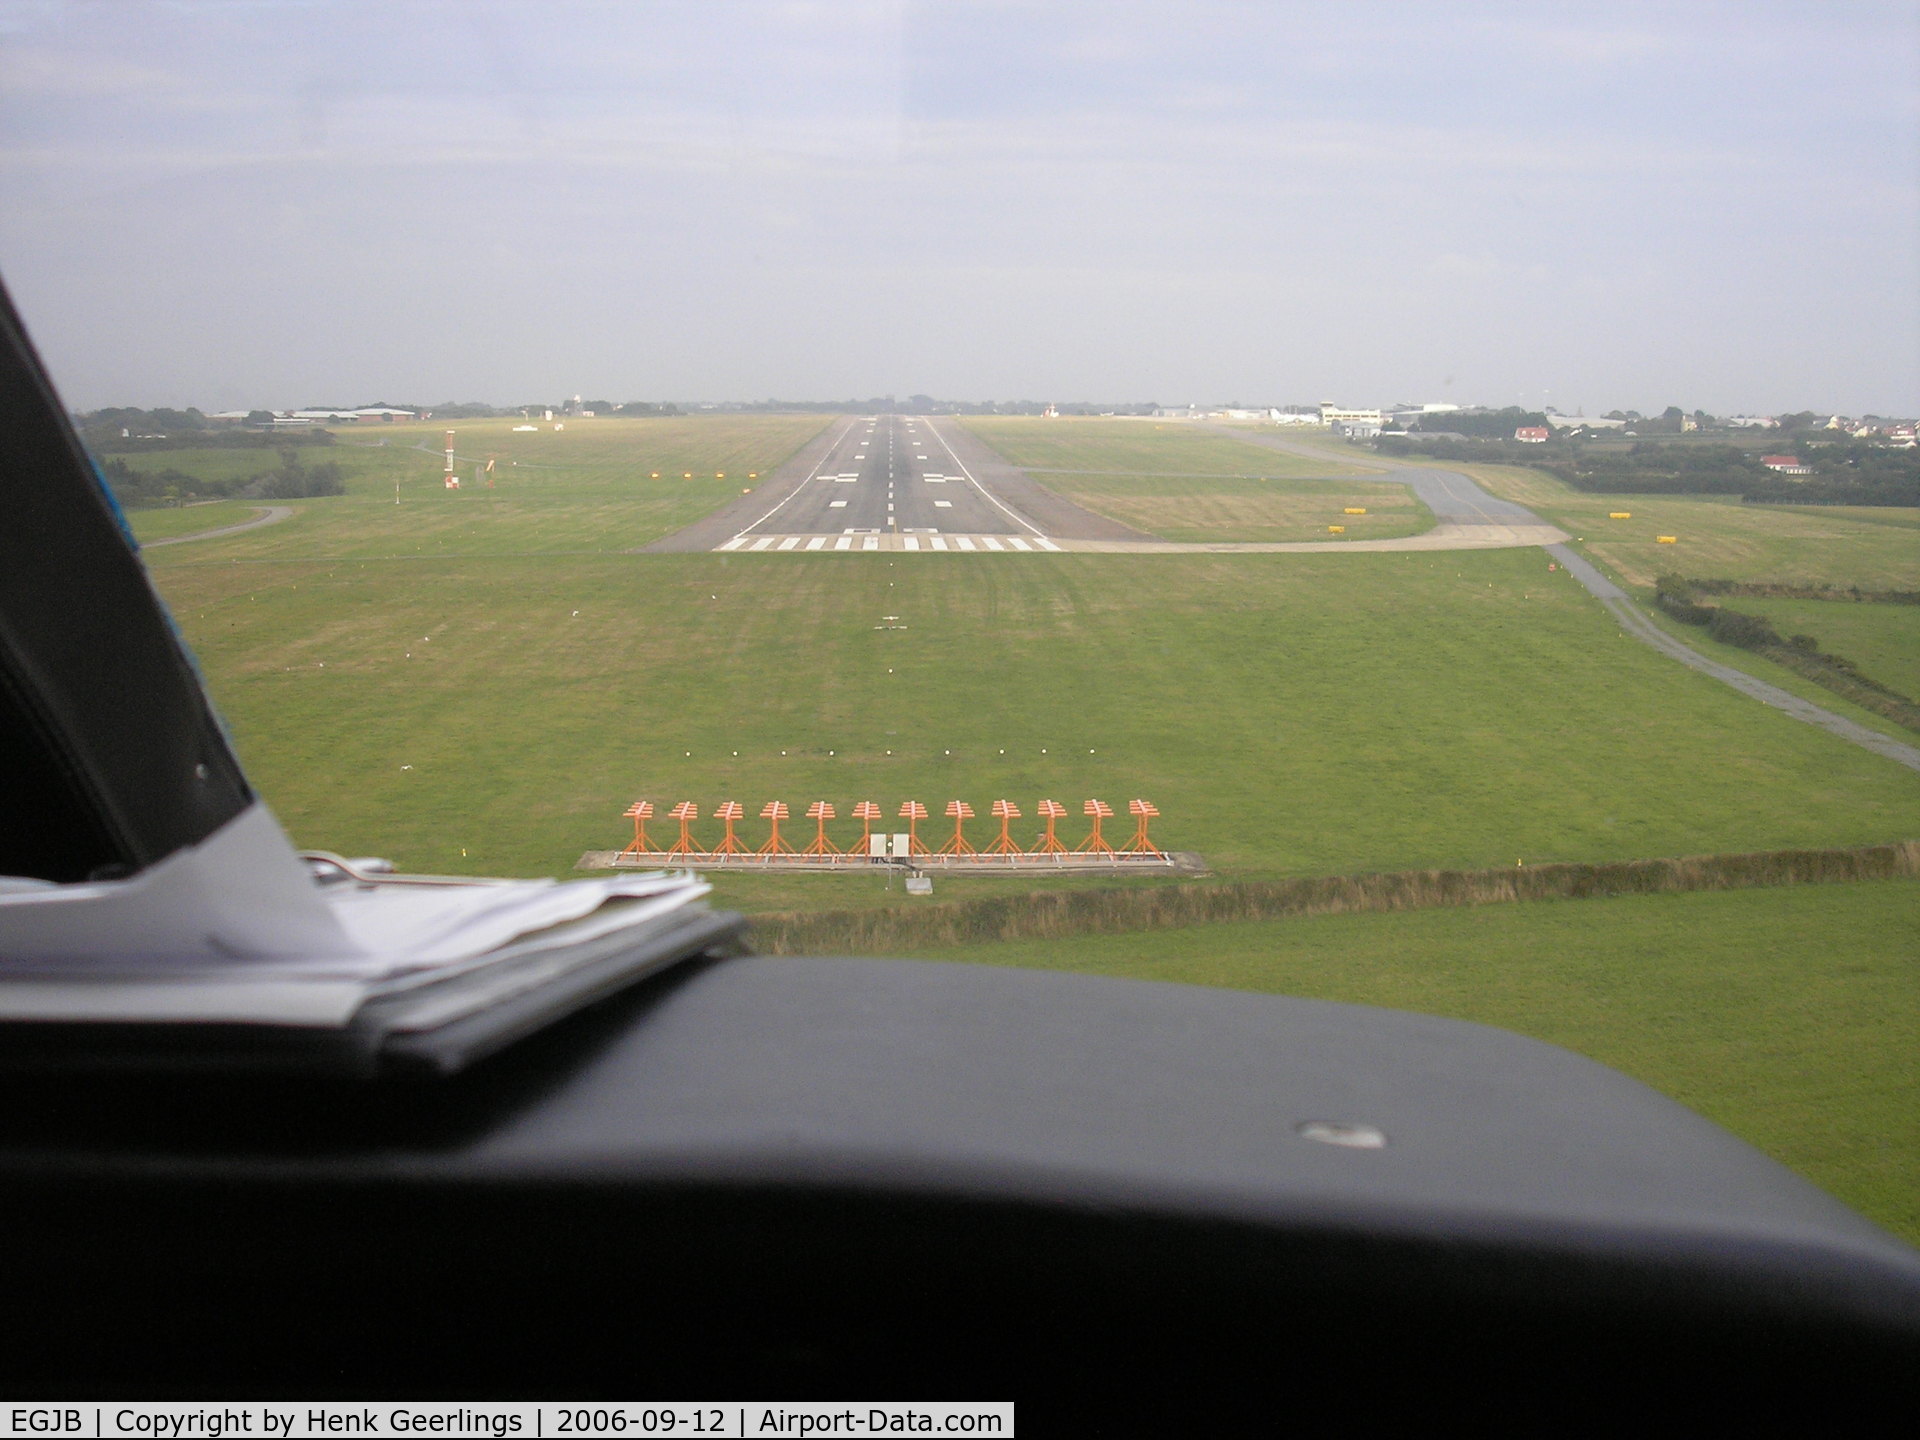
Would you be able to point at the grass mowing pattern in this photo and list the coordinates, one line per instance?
(1790, 1016)
(1180, 483)
(1300, 714)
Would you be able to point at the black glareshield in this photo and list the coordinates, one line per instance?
(110, 755)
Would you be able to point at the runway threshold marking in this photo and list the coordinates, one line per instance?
(812, 475)
(998, 503)
(761, 544)
(818, 542)
(845, 542)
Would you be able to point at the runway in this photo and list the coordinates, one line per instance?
(886, 480)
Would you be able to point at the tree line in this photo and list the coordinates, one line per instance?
(291, 479)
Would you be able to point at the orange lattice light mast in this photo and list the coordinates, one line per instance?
(1004, 811)
(1050, 810)
(686, 812)
(866, 812)
(961, 813)
(640, 812)
(820, 812)
(776, 811)
(730, 811)
(1143, 811)
(1096, 810)
(913, 812)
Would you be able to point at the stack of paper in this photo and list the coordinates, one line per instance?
(236, 932)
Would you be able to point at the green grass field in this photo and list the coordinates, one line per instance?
(1883, 640)
(1180, 483)
(474, 682)
(1290, 715)
(1719, 537)
(1790, 1016)
(166, 524)
(589, 488)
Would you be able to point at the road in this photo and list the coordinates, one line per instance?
(1462, 506)
(270, 515)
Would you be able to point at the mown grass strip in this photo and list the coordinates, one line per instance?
(1105, 911)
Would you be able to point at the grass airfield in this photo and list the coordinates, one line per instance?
(1717, 536)
(414, 681)
(1323, 714)
(1181, 483)
(599, 485)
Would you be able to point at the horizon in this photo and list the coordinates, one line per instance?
(207, 203)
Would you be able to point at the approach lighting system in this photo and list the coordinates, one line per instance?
(1004, 811)
(686, 812)
(913, 812)
(640, 812)
(820, 812)
(1050, 811)
(957, 845)
(1096, 811)
(774, 811)
(1142, 811)
(728, 812)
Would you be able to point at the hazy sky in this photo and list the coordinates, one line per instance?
(283, 202)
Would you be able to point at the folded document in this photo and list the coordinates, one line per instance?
(235, 931)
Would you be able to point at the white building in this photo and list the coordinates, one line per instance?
(1332, 414)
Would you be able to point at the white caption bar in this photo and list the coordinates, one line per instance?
(591, 1420)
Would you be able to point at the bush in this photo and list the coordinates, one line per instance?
(1749, 632)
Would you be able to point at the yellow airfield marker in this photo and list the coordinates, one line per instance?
(1619, 515)
(1336, 529)
(1666, 539)
(1356, 509)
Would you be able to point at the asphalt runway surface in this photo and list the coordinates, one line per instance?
(897, 483)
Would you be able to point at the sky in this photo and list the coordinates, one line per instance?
(1587, 206)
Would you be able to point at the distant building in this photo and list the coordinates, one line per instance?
(1752, 422)
(1786, 464)
(1332, 414)
(1533, 434)
(346, 417)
